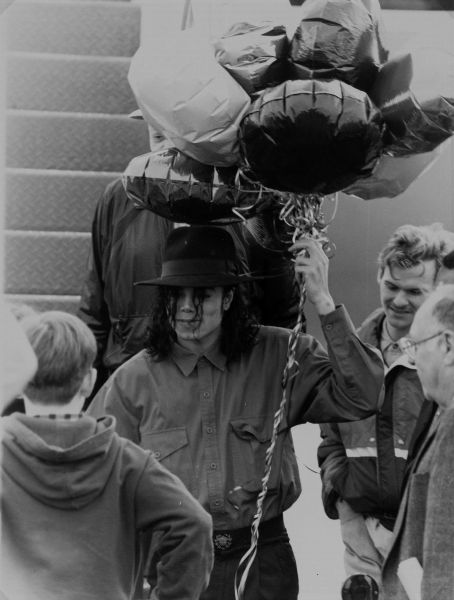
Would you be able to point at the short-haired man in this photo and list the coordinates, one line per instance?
(204, 395)
(75, 496)
(363, 463)
(424, 529)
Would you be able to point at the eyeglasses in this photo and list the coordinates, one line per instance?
(409, 346)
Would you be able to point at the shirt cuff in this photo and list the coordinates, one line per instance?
(337, 321)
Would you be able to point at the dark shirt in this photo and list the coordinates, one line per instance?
(211, 423)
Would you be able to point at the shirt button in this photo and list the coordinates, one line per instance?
(329, 327)
(209, 430)
(206, 394)
(213, 466)
(217, 502)
(401, 441)
(372, 440)
(157, 454)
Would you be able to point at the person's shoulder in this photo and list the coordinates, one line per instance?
(374, 318)
(132, 456)
(268, 332)
(137, 362)
(113, 199)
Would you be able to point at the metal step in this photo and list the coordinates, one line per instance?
(94, 27)
(41, 302)
(42, 262)
(68, 83)
(73, 141)
(51, 200)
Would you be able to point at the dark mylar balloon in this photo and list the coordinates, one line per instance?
(181, 189)
(310, 136)
(392, 176)
(338, 40)
(417, 120)
(255, 55)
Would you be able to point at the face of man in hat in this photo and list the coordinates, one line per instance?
(198, 315)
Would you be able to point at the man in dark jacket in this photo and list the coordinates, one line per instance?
(127, 246)
(363, 463)
(421, 557)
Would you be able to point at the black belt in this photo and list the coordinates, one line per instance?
(231, 540)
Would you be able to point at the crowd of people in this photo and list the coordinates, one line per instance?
(135, 451)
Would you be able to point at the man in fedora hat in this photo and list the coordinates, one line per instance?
(127, 245)
(204, 393)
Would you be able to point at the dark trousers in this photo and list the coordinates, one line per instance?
(273, 575)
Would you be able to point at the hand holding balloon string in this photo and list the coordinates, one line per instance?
(311, 265)
(311, 249)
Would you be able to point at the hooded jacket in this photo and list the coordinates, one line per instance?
(75, 497)
(364, 462)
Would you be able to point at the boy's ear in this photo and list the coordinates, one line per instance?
(88, 383)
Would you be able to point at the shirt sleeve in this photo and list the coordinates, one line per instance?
(185, 546)
(332, 460)
(346, 385)
(93, 309)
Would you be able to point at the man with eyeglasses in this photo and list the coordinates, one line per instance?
(363, 463)
(422, 551)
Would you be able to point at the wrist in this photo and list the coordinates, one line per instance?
(324, 304)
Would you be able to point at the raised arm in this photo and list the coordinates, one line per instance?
(346, 385)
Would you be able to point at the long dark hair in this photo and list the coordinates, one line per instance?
(238, 328)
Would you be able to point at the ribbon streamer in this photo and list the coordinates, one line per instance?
(304, 214)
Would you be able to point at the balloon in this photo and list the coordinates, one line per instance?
(184, 93)
(417, 121)
(310, 136)
(179, 188)
(254, 55)
(338, 40)
(392, 176)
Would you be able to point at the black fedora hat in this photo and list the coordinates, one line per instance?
(199, 256)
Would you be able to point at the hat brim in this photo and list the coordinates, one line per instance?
(198, 280)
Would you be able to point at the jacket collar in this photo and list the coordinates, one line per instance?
(402, 361)
(186, 360)
(370, 332)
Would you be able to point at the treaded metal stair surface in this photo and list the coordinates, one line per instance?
(75, 141)
(45, 263)
(69, 83)
(53, 200)
(68, 136)
(98, 28)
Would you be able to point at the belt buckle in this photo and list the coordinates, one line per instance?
(222, 541)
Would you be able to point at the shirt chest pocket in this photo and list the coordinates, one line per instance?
(250, 440)
(171, 448)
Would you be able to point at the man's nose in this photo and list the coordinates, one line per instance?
(186, 300)
(400, 299)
